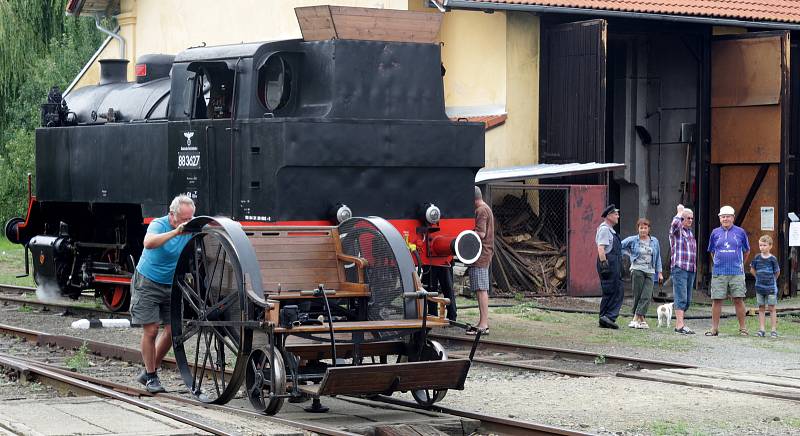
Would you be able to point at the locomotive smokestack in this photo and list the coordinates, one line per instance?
(113, 71)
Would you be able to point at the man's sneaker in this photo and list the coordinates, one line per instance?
(142, 377)
(154, 386)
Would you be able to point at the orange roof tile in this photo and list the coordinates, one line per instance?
(750, 10)
(489, 121)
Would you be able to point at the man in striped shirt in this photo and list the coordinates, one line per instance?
(683, 264)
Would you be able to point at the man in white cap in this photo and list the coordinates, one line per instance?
(729, 248)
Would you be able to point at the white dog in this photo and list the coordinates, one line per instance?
(664, 314)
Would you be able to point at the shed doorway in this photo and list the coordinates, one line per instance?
(666, 99)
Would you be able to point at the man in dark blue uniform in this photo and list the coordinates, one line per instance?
(609, 267)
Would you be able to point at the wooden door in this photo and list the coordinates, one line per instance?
(573, 93)
(749, 100)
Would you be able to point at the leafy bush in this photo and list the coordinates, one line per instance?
(40, 47)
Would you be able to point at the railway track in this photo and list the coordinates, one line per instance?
(57, 374)
(576, 363)
(25, 296)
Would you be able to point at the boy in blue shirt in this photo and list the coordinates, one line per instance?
(766, 269)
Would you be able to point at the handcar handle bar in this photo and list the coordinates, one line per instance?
(420, 294)
(319, 292)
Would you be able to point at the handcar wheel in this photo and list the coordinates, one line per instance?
(427, 397)
(116, 298)
(208, 288)
(259, 383)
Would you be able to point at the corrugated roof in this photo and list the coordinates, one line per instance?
(543, 171)
(787, 11)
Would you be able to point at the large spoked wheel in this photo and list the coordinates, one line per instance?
(428, 397)
(208, 299)
(259, 383)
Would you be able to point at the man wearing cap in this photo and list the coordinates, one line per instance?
(609, 267)
(729, 247)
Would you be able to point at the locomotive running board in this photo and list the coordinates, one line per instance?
(113, 279)
(388, 378)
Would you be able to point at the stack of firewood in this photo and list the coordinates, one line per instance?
(530, 257)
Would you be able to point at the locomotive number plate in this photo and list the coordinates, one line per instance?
(188, 160)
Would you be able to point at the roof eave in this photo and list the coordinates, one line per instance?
(713, 21)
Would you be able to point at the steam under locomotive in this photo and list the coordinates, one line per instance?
(287, 133)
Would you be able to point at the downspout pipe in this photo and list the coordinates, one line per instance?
(489, 6)
(111, 34)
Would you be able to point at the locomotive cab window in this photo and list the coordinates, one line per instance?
(274, 83)
(212, 92)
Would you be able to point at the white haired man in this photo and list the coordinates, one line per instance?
(151, 287)
(683, 264)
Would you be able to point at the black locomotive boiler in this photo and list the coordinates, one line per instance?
(286, 133)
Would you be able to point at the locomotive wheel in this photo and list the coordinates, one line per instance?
(116, 298)
(208, 287)
(259, 383)
(427, 397)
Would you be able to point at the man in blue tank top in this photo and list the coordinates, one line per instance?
(151, 288)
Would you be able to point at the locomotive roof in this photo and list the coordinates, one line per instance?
(243, 50)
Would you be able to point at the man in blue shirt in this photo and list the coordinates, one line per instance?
(151, 288)
(729, 247)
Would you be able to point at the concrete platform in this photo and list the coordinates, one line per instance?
(85, 416)
(97, 416)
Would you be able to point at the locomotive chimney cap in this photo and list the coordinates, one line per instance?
(113, 71)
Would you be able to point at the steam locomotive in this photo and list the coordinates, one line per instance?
(282, 133)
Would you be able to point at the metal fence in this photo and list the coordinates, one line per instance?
(531, 239)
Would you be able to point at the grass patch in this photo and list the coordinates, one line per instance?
(12, 263)
(79, 360)
(792, 422)
(526, 323)
(669, 428)
(25, 309)
(93, 304)
(788, 327)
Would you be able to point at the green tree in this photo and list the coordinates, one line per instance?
(40, 47)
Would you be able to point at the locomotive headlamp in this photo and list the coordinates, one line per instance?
(343, 213)
(432, 214)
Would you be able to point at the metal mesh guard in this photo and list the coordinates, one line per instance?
(362, 239)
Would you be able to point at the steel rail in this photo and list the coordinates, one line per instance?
(489, 423)
(563, 352)
(130, 354)
(525, 366)
(25, 365)
(41, 371)
(63, 302)
(6, 288)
